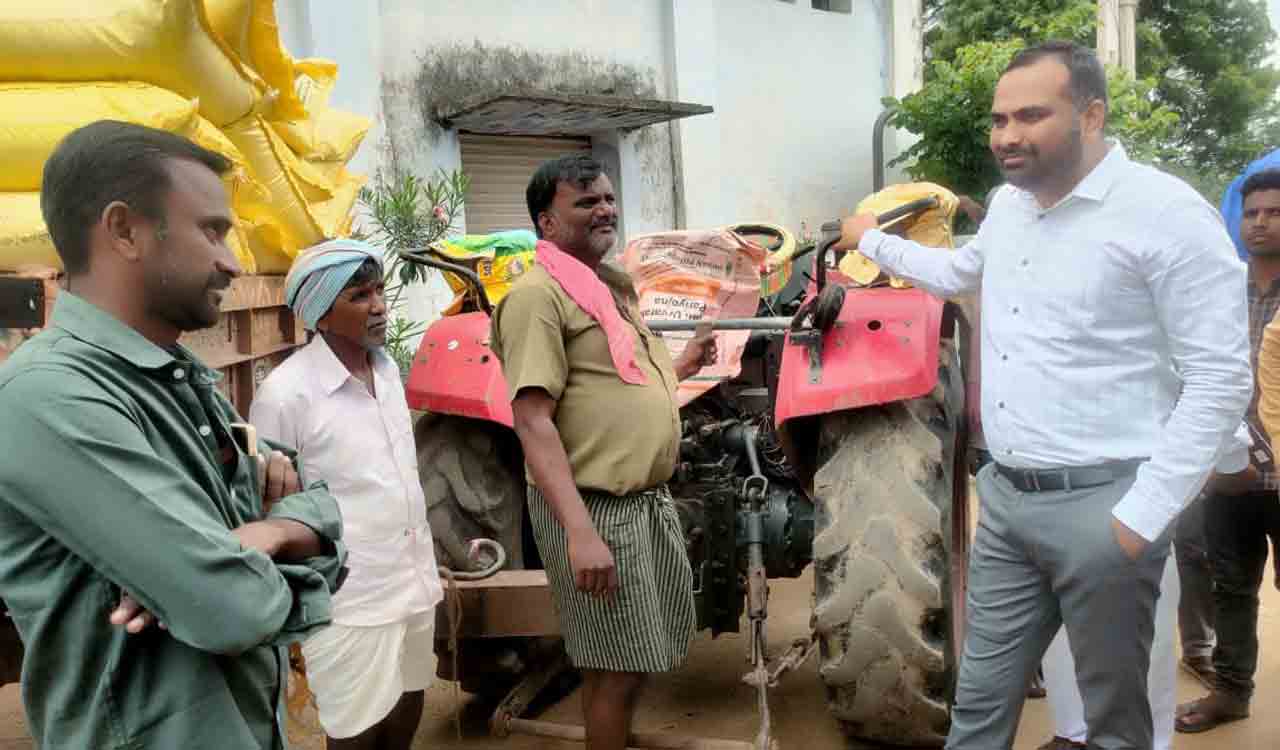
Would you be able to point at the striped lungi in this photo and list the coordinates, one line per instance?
(646, 626)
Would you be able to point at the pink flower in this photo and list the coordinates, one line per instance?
(439, 213)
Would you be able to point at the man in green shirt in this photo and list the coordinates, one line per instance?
(155, 570)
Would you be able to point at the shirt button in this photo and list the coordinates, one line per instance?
(205, 430)
(1004, 357)
(1001, 404)
(1015, 311)
(1025, 263)
(179, 374)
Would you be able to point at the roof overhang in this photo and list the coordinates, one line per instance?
(545, 113)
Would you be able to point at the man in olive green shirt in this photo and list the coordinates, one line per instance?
(594, 400)
(155, 570)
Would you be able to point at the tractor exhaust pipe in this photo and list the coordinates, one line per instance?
(877, 150)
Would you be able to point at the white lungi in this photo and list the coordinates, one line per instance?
(1064, 692)
(359, 673)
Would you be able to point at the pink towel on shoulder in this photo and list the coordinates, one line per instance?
(591, 294)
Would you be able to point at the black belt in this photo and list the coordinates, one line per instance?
(1070, 478)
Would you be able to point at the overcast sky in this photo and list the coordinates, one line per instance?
(1273, 7)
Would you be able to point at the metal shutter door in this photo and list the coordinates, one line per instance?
(500, 167)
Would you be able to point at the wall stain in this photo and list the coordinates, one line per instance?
(456, 73)
(451, 74)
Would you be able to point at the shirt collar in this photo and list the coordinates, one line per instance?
(1259, 291)
(93, 325)
(327, 370)
(1098, 182)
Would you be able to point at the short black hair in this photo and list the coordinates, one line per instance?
(1088, 79)
(1268, 179)
(368, 272)
(580, 169)
(104, 162)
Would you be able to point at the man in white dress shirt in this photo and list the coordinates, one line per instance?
(340, 403)
(1115, 365)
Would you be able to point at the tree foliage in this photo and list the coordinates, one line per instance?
(1209, 58)
(408, 213)
(952, 114)
(1203, 104)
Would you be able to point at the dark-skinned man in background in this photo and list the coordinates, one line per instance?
(1242, 512)
(340, 404)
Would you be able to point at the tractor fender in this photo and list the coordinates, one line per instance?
(882, 348)
(456, 372)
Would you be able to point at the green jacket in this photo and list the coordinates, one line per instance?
(112, 479)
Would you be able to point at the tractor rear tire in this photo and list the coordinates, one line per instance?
(886, 538)
(472, 474)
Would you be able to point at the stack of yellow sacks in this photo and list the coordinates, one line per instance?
(212, 70)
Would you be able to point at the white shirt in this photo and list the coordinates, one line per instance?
(1114, 326)
(363, 448)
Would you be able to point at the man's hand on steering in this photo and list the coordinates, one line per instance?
(699, 352)
(852, 228)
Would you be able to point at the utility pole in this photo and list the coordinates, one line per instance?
(1117, 34)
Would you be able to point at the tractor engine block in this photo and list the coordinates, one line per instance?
(710, 488)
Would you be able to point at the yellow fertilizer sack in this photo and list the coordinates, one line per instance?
(337, 214)
(289, 185)
(932, 228)
(498, 259)
(264, 242)
(273, 249)
(24, 239)
(299, 206)
(701, 275)
(169, 43)
(325, 133)
(34, 117)
(250, 29)
(332, 172)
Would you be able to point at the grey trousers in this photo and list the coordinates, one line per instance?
(1042, 560)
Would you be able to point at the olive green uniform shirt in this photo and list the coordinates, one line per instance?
(112, 479)
(620, 438)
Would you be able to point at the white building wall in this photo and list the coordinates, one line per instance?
(795, 92)
(603, 42)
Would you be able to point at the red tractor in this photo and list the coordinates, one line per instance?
(841, 443)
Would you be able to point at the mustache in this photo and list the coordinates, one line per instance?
(1006, 153)
(611, 223)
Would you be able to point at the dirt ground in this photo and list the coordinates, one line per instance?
(707, 698)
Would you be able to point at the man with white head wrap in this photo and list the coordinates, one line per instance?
(339, 402)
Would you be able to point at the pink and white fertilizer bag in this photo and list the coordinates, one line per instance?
(698, 275)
